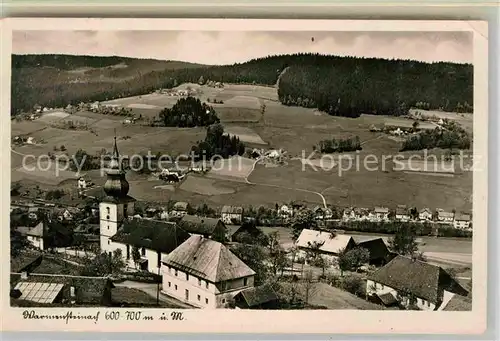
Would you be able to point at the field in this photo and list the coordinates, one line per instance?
(236, 167)
(359, 182)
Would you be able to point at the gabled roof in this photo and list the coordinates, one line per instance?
(199, 225)
(444, 214)
(331, 243)
(377, 247)
(255, 296)
(232, 209)
(425, 210)
(37, 231)
(87, 289)
(151, 234)
(420, 278)
(401, 210)
(381, 210)
(180, 205)
(207, 259)
(462, 217)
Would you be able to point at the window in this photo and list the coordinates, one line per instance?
(199, 282)
(143, 251)
(206, 284)
(176, 287)
(206, 300)
(128, 251)
(187, 276)
(428, 303)
(245, 280)
(72, 291)
(176, 272)
(186, 293)
(199, 298)
(382, 286)
(108, 227)
(107, 210)
(109, 243)
(223, 300)
(169, 284)
(107, 217)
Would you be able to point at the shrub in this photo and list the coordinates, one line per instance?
(355, 285)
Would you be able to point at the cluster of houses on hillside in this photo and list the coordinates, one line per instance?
(404, 214)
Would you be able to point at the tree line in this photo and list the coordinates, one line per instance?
(450, 135)
(343, 86)
(349, 144)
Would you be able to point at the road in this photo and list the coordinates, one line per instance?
(151, 290)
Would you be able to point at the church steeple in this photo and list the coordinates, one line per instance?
(116, 185)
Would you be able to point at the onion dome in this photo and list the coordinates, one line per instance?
(116, 185)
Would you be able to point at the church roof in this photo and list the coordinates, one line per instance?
(116, 185)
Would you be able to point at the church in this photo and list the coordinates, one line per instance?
(119, 230)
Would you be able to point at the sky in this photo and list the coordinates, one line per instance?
(228, 47)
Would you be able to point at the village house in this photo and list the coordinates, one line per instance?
(35, 235)
(425, 214)
(179, 209)
(379, 214)
(232, 214)
(285, 211)
(379, 252)
(82, 184)
(402, 213)
(348, 214)
(325, 243)
(47, 289)
(204, 273)
(445, 217)
(321, 213)
(462, 221)
(152, 238)
(211, 228)
(261, 297)
(412, 284)
(361, 214)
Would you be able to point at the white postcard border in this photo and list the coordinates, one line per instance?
(234, 321)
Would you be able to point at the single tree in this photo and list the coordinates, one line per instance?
(352, 260)
(303, 219)
(136, 256)
(404, 241)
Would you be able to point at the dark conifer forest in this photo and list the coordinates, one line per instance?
(344, 86)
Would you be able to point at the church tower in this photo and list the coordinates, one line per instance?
(117, 205)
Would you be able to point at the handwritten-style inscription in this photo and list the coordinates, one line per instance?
(109, 316)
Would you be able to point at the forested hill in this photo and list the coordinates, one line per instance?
(344, 86)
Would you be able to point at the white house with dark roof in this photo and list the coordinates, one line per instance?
(232, 214)
(445, 217)
(402, 213)
(379, 214)
(179, 209)
(34, 235)
(204, 273)
(462, 221)
(406, 281)
(330, 245)
(425, 214)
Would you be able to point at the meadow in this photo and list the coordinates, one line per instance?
(297, 130)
